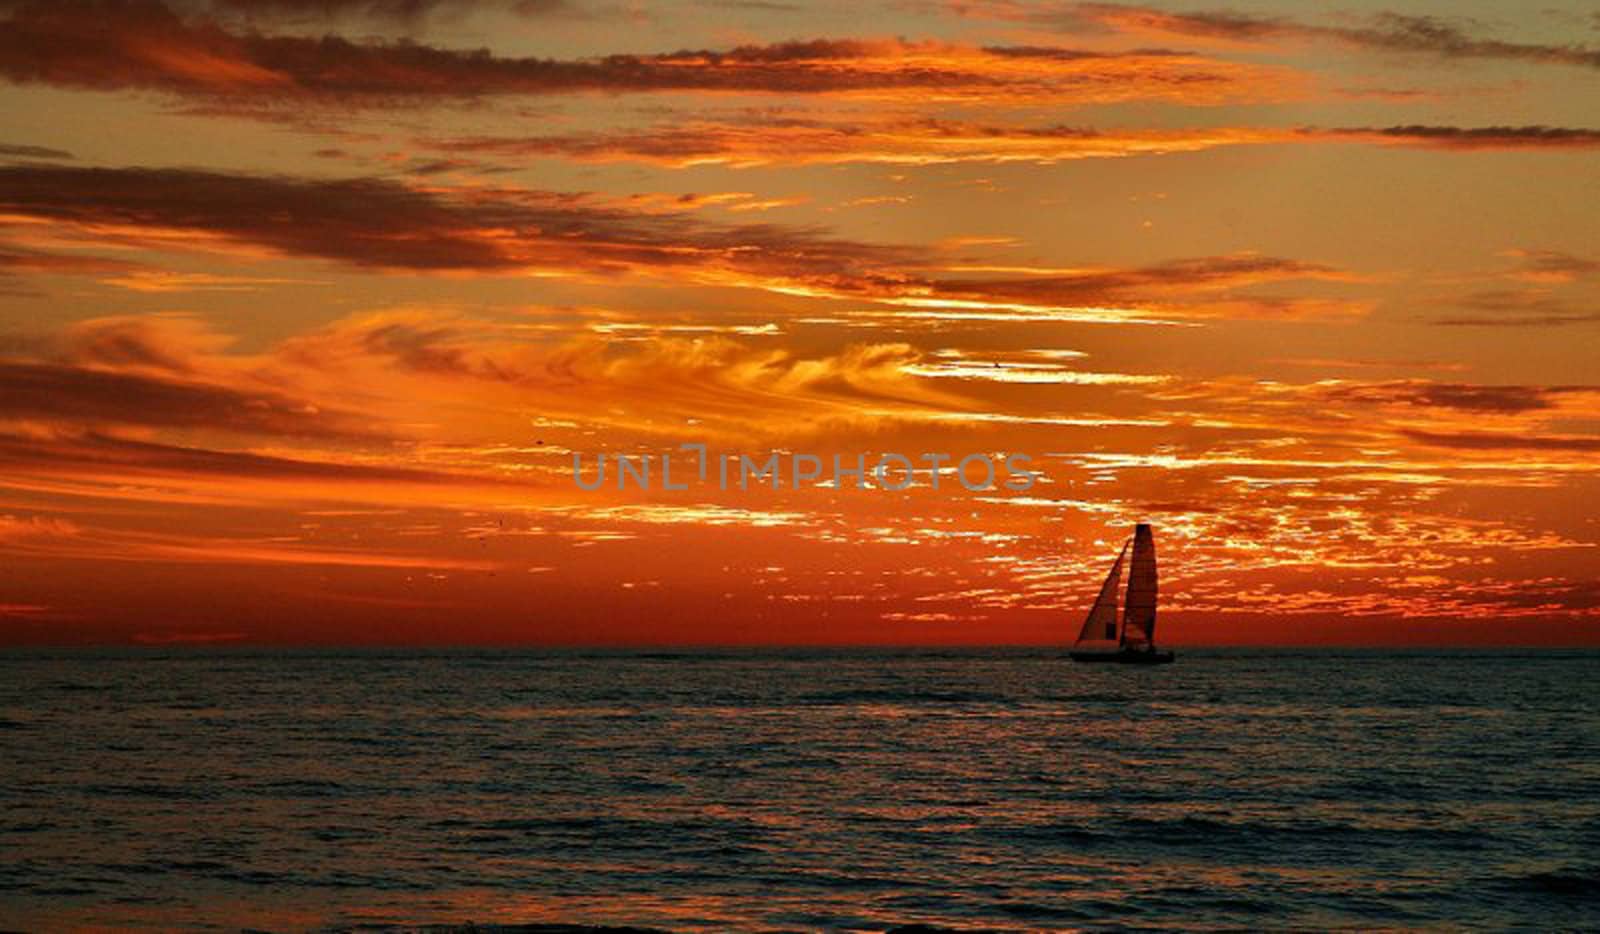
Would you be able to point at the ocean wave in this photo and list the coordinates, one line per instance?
(861, 793)
(902, 696)
(1580, 882)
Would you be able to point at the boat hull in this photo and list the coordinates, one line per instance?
(1124, 657)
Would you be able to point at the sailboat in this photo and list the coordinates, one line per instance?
(1131, 640)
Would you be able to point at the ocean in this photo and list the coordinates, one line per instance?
(848, 790)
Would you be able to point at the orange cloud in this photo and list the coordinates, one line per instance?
(723, 386)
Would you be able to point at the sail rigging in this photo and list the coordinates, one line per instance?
(1101, 624)
(1139, 613)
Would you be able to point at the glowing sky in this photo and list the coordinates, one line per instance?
(305, 306)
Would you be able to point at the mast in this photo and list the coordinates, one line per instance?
(1139, 614)
(1101, 624)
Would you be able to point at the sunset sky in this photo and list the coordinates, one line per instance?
(306, 306)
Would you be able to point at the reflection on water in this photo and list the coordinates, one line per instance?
(848, 789)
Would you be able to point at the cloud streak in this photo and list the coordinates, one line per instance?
(1497, 441)
(380, 224)
(75, 394)
(1381, 32)
(1471, 138)
(144, 45)
(65, 540)
(385, 226)
(938, 142)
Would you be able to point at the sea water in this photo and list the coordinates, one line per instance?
(799, 790)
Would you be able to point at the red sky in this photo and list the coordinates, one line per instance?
(306, 308)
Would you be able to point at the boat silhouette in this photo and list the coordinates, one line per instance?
(1130, 640)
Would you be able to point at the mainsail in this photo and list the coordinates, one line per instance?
(1130, 641)
(1139, 614)
(1101, 625)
